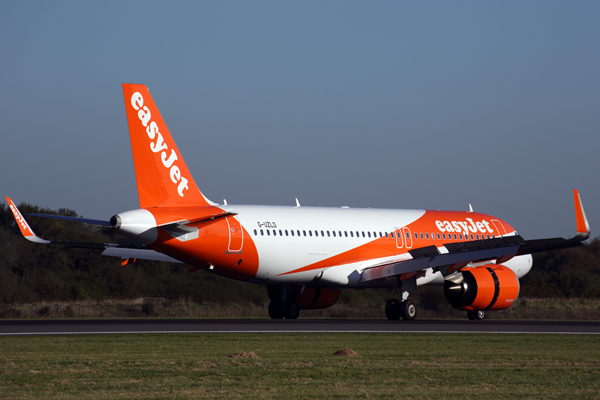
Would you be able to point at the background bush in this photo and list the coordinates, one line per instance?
(32, 273)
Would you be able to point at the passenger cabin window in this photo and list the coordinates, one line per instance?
(268, 232)
(416, 235)
(255, 232)
(427, 235)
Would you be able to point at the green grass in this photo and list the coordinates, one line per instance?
(413, 366)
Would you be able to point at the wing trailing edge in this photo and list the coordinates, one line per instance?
(125, 249)
(500, 249)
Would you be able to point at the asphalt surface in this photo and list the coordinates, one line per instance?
(137, 326)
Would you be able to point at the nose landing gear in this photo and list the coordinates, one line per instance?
(475, 315)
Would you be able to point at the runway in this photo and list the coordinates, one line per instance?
(141, 326)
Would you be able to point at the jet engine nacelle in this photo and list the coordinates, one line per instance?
(313, 299)
(307, 299)
(486, 287)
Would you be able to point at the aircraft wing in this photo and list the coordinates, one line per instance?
(500, 249)
(126, 249)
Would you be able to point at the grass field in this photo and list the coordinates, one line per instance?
(411, 366)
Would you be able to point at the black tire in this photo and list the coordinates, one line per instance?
(408, 310)
(475, 315)
(392, 310)
(275, 310)
(274, 292)
(291, 310)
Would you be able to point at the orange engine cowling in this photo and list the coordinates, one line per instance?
(487, 287)
(312, 299)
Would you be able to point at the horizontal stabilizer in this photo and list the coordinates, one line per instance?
(206, 217)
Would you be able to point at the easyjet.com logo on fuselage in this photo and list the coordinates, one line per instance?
(465, 227)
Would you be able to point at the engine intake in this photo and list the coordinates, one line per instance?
(487, 287)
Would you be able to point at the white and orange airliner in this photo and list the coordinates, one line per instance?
(306, 255)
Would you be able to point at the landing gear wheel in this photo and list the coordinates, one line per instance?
(392, 310)
(473, 315)
(274, 292)
(275, 310)
(291, 310)
(408, 310)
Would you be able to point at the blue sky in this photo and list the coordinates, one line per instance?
(390, 104)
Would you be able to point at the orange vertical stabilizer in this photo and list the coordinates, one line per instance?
(162, 176)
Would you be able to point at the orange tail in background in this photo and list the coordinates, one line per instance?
(162, 177)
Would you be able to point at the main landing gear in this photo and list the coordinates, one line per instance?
(405, 309)
(395, 309)
(283, 302)
(473, 315)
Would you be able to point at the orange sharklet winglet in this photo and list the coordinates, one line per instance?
(26, 230)
(583, 227)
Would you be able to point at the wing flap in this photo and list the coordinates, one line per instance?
(125, 249)
(74, 219)
(501, 249)
(141, 254)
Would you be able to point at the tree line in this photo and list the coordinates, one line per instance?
(31, 273)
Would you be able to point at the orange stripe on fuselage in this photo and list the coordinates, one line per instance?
(430, 224)
(211, 248)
